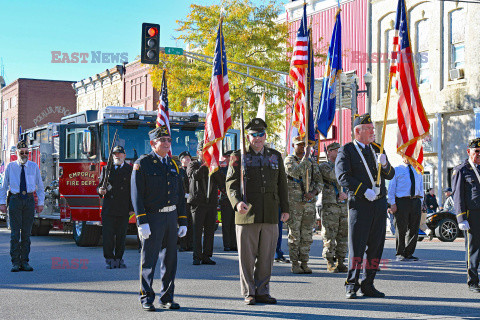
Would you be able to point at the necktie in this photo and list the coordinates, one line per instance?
(368, 157)
(23, 184)
(412, 181)
(164, 161)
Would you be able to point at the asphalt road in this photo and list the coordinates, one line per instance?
(62, 287)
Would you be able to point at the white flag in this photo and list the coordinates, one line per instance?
(261, 108)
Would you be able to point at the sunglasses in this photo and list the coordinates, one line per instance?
(164, 139)
(24, 153)
(258, 134)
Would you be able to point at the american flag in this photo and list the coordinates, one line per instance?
(219, 118)
(298, 68)
(413, 124)
(163, 113)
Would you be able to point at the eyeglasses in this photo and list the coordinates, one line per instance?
(24, 153)
(164, 140)
(257, 134)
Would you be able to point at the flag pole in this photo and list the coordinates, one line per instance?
(384, 125)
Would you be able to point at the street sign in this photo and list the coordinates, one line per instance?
(172, 50)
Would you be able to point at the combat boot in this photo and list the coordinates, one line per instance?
(306, 268)
(296, 268)
(331, 265)
(340, 266)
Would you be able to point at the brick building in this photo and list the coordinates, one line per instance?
(27, 103)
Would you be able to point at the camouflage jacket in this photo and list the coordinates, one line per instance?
(331, 188)
(296, 170)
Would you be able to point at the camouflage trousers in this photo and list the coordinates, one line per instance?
(300, 230)
(334, 230)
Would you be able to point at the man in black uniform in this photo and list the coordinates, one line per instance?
(159, 202)
(204, 210)
(186, 243)
(356, 169)
(228, 214)
(466, 198)
(116, 208)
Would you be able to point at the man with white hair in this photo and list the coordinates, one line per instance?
(22, 178)
(356, 168)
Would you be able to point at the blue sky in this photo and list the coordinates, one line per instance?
(31, 30)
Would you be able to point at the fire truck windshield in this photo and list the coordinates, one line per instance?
(136, 142)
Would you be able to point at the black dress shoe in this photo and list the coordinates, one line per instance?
(474, 288)
(266, 298)
(15, 268)
(26, 267)
(250, 300)
(146, 306)
(208, 261)
(196, 262)
(170, 305)
(351, 294)
(412, 258)
(370, 291)
(233, 249)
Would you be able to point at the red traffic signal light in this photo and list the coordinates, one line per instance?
(150, 43)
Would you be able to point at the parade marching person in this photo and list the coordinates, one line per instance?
(466, 198)
(302, 204)
(405, 193)
(186, 243)
(159, 202)
(257, 228)
(228, 214)
(334, 214)
(116, 208)
(22, 178)
(203, 199)
(356, 170)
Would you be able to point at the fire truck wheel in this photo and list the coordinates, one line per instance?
(86, 235)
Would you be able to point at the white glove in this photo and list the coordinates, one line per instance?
(382, 159)
(182, 231)
(144, 231)
(464, 225)
(370, 195)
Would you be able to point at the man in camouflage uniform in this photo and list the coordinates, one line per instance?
(334, 214)
(302, 204)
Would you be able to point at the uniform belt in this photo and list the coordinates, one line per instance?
(410, 197)
(265, 190)
(168, 209)
(19, 194)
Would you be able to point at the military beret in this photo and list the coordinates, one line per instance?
(256, 125)
(22, 144)
(158, 132)
(447, 189)
(475, 143)
(333, 146)
(184, 154)
(200, 146)
(118, 149)
(363, 119)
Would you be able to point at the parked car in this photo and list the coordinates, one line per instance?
(443, 225)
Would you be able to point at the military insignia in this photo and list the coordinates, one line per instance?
(136, 166)
(164, 130)
(256, 122)
(155, 161)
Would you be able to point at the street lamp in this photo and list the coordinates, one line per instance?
(367, 78)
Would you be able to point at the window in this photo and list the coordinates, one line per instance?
(13, 126)
(427, 181)
(6, 103)
(74, 141)
(422, 38)
(457, 39)
(14, 102)
(389, 34)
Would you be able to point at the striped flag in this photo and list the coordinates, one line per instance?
(219, 118)
(163, 112)
(413, 124)
(298, 67)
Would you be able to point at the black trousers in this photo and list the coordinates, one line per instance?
(366, 234)
(21, 213)
(114, 232)
(407, 222)
(162, 244)
(472, 246)
(187, 241)
(204, 219)
(228, 225)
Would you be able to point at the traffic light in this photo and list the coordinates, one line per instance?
(150, 43)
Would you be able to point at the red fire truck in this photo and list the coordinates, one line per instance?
(71, 153)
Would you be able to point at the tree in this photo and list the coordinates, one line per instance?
(252, 36)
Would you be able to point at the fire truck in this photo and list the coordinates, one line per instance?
(71, 154)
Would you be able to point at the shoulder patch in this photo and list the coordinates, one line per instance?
(136, 166)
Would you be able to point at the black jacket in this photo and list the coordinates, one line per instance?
(198, 181)
(117, 201)
(431, 201)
